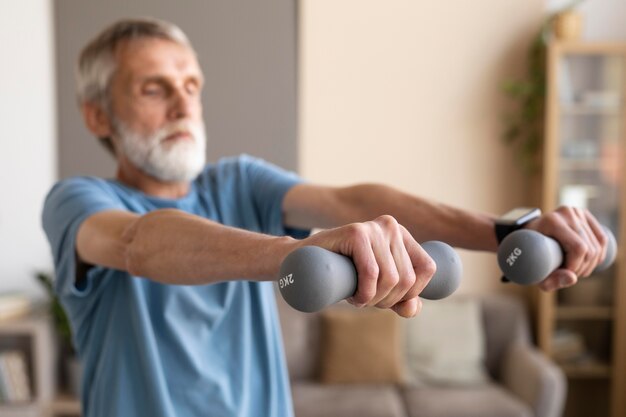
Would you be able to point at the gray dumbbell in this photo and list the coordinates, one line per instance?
(527, 257)
(313, 278)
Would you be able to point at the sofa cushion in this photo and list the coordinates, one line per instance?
(505, 321)
(361, 346)
(480, 401)
(301, 340)
(445, 343)
(316, 400)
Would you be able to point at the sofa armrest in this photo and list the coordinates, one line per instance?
(535, 379)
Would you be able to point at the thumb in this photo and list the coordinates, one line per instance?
(408, 308)
(561, 278)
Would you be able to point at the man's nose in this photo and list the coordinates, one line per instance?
(181, 105)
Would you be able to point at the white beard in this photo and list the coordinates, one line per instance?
(179, 161)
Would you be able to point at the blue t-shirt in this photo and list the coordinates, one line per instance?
(151, 349)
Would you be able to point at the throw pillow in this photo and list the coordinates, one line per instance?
(445, 343)
(361, 346)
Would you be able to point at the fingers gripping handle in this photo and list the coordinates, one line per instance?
(312, 278)
(527, 257)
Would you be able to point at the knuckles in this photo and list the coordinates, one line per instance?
(565, 211)
(391, 278)
(387, 221)
(426, 267)
(357, 232)
(370, 271)
(382, 227)
(407, 280)
(554, 218)
(578, 248)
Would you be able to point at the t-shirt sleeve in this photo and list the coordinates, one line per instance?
(67, 205)
(269, 184)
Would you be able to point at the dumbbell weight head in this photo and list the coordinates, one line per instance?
(312, 278)
(527, 257)
(447, 278)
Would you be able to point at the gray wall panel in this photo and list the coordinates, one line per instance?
(247, 50)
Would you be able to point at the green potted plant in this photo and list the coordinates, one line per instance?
(60, 320)
(69, 359)
(524, 128)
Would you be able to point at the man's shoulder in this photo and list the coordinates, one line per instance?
(73, 199)
(80, 180)
(79, 184)
(88, 191)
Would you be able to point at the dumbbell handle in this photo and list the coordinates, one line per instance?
(312, 278)
(527, 257)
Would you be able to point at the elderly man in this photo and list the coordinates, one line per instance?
(165, 270)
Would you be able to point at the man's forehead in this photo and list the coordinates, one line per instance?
(152, 56)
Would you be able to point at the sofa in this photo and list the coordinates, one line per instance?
(522, 382)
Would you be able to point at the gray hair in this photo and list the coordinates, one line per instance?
(96, 63)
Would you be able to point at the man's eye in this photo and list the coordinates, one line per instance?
(192, 88)
(152, 91)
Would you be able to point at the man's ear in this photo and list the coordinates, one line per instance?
(97, 120)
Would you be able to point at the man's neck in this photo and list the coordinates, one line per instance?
(132, 176)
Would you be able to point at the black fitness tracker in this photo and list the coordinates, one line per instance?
(515, 220)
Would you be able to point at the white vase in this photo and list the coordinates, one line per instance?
(568, 26)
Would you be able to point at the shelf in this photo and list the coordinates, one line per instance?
(65, 404)
(572, 164)
(591, 370)
(28, 409)
(32, 335)
(62, 405)
(589, 48)
(584, 313)
(25, 324)
(584, 110)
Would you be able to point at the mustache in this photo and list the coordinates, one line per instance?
(185, 127)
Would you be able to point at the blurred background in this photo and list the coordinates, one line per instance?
(407, 93)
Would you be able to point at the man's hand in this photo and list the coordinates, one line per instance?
(581, 237)
(392, 267)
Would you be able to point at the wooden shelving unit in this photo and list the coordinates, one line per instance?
(32, 335)
(64, 405)
(594, 370)
(584, 149)
(584, 313)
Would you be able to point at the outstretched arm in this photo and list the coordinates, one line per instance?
(577, 230)
(310, 206)
(175, 247)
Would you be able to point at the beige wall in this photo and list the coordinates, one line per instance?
(408, 93)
